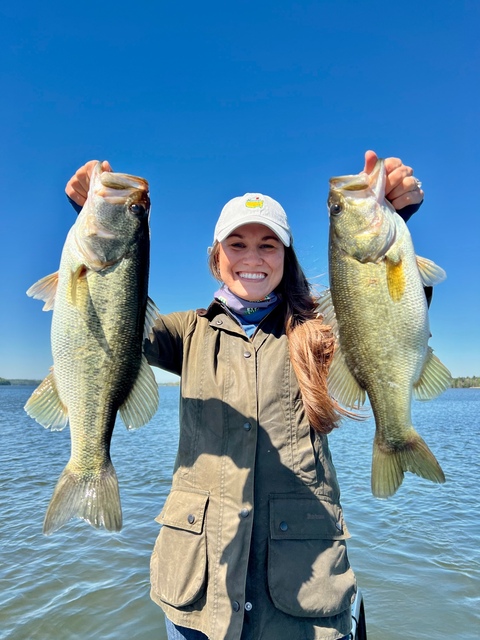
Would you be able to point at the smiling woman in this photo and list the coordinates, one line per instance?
(250, 261)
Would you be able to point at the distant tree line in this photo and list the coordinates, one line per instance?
(466, 382)
(5, 381)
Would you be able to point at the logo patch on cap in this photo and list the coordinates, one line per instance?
(254, 204)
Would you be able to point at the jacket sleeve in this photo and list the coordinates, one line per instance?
(77, 207)
(165, 348)
(407, 212)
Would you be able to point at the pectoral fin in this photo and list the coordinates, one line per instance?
(341, 383)
(142, 401)
(151, 315)
(75, 276)
(45, 289)
(326, 309)
(45, 406)
(430, 273)
(434, 379)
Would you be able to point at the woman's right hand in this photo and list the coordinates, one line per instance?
(78, 185)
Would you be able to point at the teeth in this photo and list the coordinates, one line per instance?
(252, 276)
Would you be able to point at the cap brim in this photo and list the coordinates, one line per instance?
(283, 235)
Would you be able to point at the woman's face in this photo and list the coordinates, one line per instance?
(251, 260)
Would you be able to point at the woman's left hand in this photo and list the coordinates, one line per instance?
(401, 187)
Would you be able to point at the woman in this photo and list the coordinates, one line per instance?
(252, 543)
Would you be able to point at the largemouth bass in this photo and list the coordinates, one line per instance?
(101, 314)
(380, 318)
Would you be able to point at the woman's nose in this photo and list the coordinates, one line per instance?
(252, 256)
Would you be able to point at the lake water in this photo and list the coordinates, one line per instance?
(416, 555)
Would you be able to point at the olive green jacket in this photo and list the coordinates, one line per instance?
(252, 543)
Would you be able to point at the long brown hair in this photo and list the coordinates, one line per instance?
(311, 342)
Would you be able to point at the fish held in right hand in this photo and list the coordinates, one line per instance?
(101, 316)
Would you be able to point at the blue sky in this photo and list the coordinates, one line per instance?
(210, 100)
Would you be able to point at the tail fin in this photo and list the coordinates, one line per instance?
(94, 498)
(389, 465)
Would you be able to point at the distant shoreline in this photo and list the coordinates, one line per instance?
(5, 382)
(463, 382)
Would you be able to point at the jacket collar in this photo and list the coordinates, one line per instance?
(220, 317)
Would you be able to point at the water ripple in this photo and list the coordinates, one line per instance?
(416, 555)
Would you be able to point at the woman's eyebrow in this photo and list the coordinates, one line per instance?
(263, 238)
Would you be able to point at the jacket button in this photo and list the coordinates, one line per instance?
(247, 354)
(244, 513)
(191, 518)
(235, 605)
(247, 426)
(248, 606)
(219, 322)
(283, 526)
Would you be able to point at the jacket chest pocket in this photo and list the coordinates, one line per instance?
(179, 561)
(309, 574)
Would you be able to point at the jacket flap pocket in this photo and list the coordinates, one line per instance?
(305, 517)
(184, 509)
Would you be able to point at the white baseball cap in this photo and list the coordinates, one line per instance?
(253, 207)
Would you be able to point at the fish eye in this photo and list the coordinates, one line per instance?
(138, 209)
(335, 209)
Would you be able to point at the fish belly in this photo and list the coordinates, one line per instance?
(97, 350)
(384, 341)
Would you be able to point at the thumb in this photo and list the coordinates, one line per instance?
(370, 161)
(106, 166)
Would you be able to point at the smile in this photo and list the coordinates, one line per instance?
(252, 276)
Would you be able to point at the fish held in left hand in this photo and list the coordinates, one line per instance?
(101, 316)
(378, 311)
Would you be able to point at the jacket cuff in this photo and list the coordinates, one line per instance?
(407, 212)
(77, 207)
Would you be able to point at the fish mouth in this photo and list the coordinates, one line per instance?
(116, 188)
(360, 182)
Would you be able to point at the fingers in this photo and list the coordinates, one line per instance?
(370, 161)
(106, 166)
(411, 197)
(78, 185)
(401, 187)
